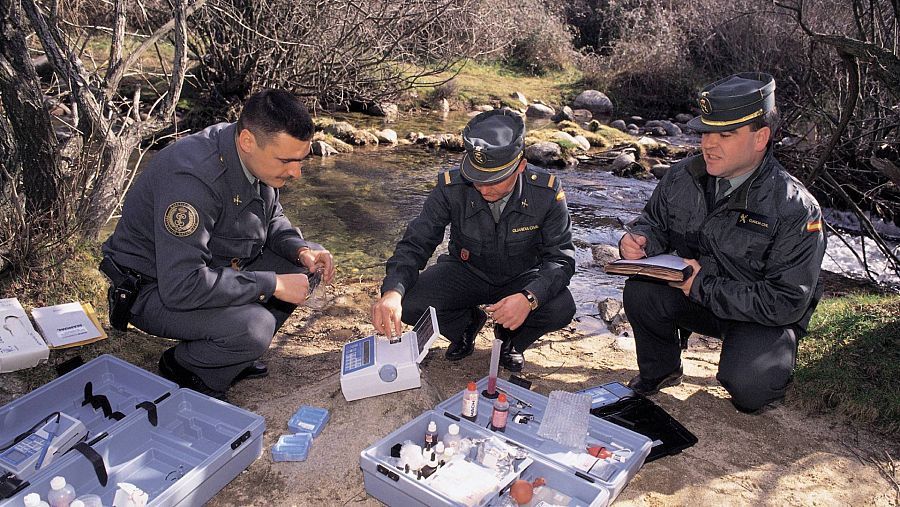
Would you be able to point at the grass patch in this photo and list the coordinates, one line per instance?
(850, 362)
(482, 83)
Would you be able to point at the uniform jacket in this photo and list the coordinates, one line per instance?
(760, 249)
(192, 220)
(534, 234)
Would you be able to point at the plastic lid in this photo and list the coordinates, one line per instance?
(76, 503)
(32, 499)
(453, 429)
(471, 386)
(449, 451)
(439, 448)
(432, 426)
(502, 398)
(58, 482)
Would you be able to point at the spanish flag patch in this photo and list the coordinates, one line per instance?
(814, 226)
(561, 195)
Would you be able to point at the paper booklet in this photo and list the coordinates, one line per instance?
(670, 268)
(68, 324)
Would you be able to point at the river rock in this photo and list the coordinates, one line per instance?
(567, 138)
(668, 127)
(484, 107)
(389, 110)
(595, 102)
(659, 170)
(536, 110)
(604, 254)
(583, 142)
(323, 149)
(619, 124)
(623, 161)
(388, 136)
(621, 327)
(452, 142)
(683, 118)
(443, 105)
(520, 98)
(564, 114)
(609, 308)
(341, 130)
(636, 119)
(544, 153)
(631, 126)
(582, 115)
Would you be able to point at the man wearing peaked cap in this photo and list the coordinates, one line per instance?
(753, 236)
(510, 249)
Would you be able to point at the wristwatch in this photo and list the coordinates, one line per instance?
(532, 301)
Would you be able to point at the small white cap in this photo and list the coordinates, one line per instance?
(449, 451)
(76, 503)
(453, 429)
(439, 448)
(32, 500)
(432, 426)
(58, 482)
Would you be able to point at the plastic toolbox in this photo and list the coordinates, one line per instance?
(584, 479)
(178, 446)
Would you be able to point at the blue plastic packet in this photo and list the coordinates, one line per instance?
(310, 419)
(292, 447)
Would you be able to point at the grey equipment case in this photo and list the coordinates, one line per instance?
(594, 483)
(178, 446)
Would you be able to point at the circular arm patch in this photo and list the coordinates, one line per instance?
(181, 219)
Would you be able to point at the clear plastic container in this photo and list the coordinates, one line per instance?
(60, 494)
(292, 447)
(309, 419)
(90, 500)
(451, 438)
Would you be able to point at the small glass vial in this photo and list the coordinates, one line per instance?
(500, 413)
(431, 435)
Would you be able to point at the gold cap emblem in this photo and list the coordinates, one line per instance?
(478, 155)
(705, 106)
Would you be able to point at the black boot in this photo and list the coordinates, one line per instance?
(466, 344)
(510, 358)
(648, 386)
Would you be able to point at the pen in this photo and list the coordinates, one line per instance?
(628, 230)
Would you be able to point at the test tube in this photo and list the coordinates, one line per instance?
(491, 391)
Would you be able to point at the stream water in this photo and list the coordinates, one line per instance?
(359, 204)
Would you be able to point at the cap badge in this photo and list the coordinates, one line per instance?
(464, 254)
(478, 155)
(705, 106)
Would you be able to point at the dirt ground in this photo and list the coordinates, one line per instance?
(782, 457)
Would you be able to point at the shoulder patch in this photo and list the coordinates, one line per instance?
(451, 177)
(542, 179)
(181, 219)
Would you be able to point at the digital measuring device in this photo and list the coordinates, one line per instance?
(376, 365)
(48, 441)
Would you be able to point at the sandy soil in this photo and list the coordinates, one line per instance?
(782, 457)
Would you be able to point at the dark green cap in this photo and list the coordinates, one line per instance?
(494, 142)
(735, 101)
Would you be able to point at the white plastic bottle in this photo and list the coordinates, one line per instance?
(451, 438)
(88, 501)
(61, 494)
(34, 500)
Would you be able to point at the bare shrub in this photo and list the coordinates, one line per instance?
(541, 42)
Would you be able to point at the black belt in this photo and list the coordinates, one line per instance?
(119, 274)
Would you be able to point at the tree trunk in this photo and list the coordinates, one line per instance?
(33, 149)
(108, 185)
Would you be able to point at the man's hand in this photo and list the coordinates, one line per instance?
(685, 286)
(291, 288)
(511, 311)
(631, 246)
(386, 314)
(317, 260)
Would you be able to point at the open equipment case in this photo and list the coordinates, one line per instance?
(178, 446)
(586, 480)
